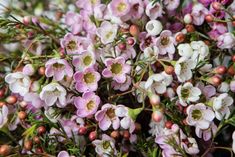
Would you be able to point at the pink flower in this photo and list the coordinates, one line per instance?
(198, 13)
(107, 117)
(58, 68)
(87, 105)
(199, 116)
(119, 7)
(217, 30)
(206, 134)
(73, 44)
(28, 69)
(107, 32)
(146, 40)
(154, 10)
(171, 4)
(117, 69)
(86, 80)
(74, 20)
(85, 60)
(226, 41)
(136, 9)
(122, 86)
(34, 99)
(165, 43)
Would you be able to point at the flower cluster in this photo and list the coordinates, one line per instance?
(119, 78)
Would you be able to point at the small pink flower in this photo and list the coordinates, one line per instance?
(117, 69)
(87, 105)
(86, 80)
(199, 116)
(198, 13)
(206, 134)
(165, 43)
(136, 9)
(74, 20)
(28, 69)
(122, 86)
(72, 44)
(171, 4)
(154, 10)
(119, 7)
(107, 117)
(58, 68)
(226, 41)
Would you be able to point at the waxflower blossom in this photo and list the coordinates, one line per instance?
(86, 80)
(187, 93)
(206, 134)
(87, 105)
(151, 53)
(126, 121)
(200, 49)
(34, 99)
(105, 147)
(198, 13)
(165, 43)
(122, 86)
(154, 10)
(171, 4)
(116, 69)
(71, 44)
(107, 32)
(107, 117)
(221, 106)
(226, 41)
(18, 83)
(74, 20)
(119, 7)
(85, 60)
(199, 116)
(3, 115)
(54, 93)
(159, 82)
(183, 69)
(58, 68)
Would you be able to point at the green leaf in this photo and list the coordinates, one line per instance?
(133, 113)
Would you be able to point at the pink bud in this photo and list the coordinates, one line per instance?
(157, 116)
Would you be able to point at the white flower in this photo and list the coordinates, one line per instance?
(183, 69)
(205, 68)
(107, 32)
(105, 147)
(159, 82)
(50, 114)
(3, 115)
(200, 50)
(223, 87)
(53, 93)
(126, 122)
(187, 93)
(221, 106)
(18, 83)
(185, 50)
(154, 27)
(151, 53)
(196, 50)
(199, 116)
